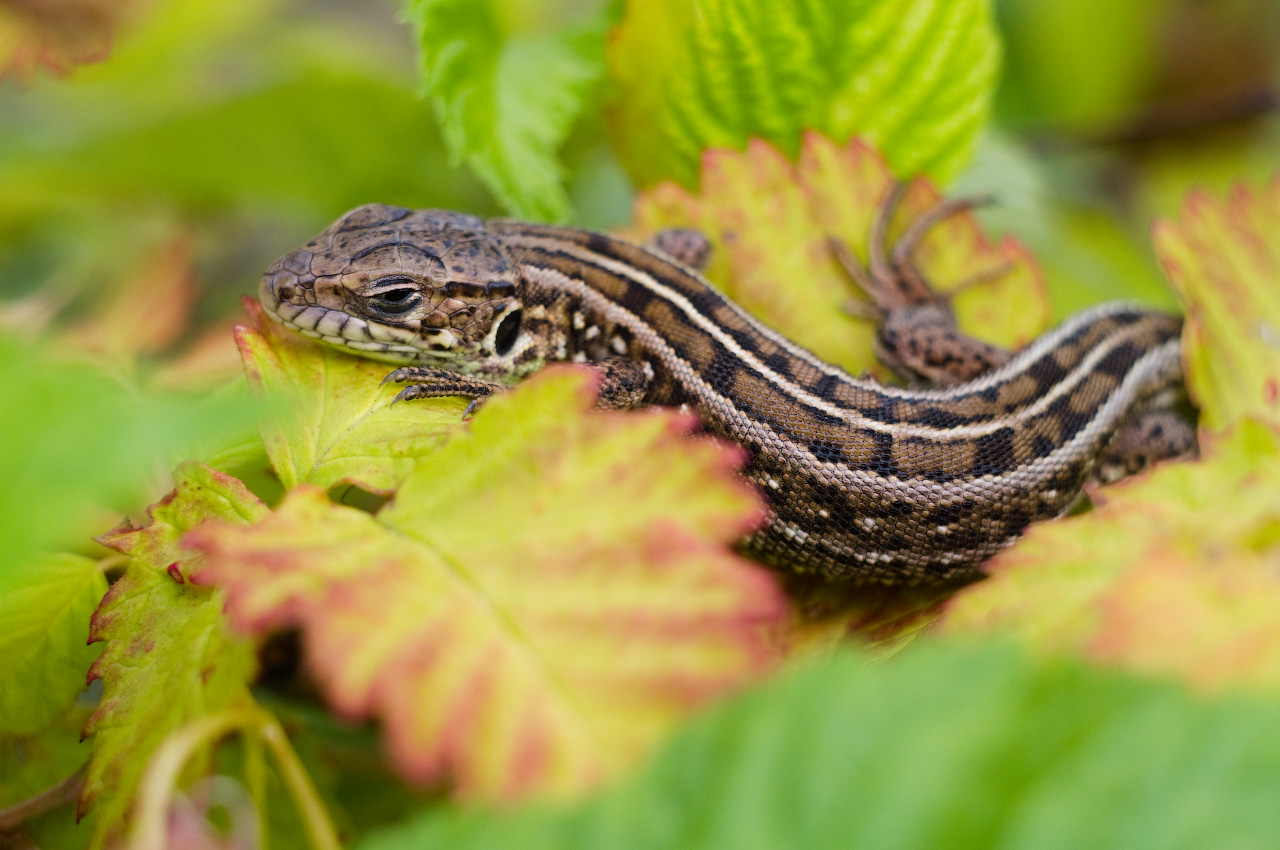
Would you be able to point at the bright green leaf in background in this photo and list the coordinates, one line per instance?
(915, 78)
(77, 441)
(44, 651)
(507, 85)
(942, 748)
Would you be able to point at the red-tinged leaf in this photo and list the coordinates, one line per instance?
(1224, 260)
(170, 656)
(769, 222)
(57, 35)
(546, 596)
(328, 419)
(1176, 573)
(165, 281)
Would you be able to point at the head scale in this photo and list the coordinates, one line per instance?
(406, 286)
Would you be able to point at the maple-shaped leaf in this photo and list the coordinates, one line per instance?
(770, 222)
(170, 655)
(1224, 260)
(544, 598)
(328, 419)
(1175, 573)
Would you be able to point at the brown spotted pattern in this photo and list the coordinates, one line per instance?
(864, 482)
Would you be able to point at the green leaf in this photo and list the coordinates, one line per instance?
(327, 416)
(44, 654)
(170, 655)
(506, 94)
(941, 748)
(32, 764)
(74, 439)
(535, 609)
(915, 78)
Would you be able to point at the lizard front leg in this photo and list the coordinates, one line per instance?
(438, 383)
(623, 384)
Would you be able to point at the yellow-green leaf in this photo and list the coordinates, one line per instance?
(170, 656)
(769, 222)
(1176, 573)
(545, 597)
(1223, 257)
(327, 419)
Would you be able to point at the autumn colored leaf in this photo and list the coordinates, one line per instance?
(535, 608)
(1224, 260)
(57, 35)
(1176, 573)
(170, 655)
(770, 220)
(43, 654)
(327, 419)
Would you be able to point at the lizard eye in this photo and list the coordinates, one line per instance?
(396, 302)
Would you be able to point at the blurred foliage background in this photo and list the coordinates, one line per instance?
(245, 127)
(229, 131)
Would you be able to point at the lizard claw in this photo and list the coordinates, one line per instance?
(409, 393)
(397, 376)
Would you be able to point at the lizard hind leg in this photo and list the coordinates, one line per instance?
(685, 245)
(917, 335)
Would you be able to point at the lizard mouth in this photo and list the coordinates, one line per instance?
(343, 330)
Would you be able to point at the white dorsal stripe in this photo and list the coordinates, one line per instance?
(709, 326)
(1037, 349)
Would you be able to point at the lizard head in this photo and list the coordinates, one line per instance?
(407, 286)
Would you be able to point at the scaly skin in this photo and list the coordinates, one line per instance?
(864, 481)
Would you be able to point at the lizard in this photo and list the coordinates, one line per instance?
(864, 482)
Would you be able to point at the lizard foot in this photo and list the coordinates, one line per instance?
(917, 335)
(437, 383)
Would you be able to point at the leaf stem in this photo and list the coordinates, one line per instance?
(51, 798)
(158, 784)
(305, 797)
(255, 776)
(260, 727)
